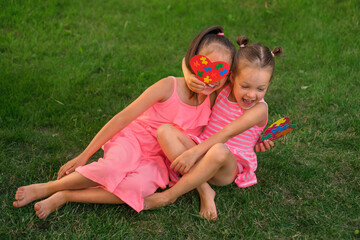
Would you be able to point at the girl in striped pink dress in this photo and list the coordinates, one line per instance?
(225, 150)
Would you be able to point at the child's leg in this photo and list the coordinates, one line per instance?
(174, 143)
(89, 195)
(218, 166)
(27, 194)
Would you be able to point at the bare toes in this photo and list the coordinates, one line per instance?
(42, 215)
(209, 216)
(19, 193)
(37, 207)
(19, 203)
(39, 211)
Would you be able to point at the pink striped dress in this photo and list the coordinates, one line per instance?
(242, 145)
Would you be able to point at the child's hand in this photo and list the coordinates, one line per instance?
(70, 166)
(263, 146)
(183, 163)
(195, 84)
(191, 80)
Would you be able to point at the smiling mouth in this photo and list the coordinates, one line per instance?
(211, 86)
(248, 102)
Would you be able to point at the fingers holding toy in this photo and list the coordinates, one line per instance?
(192, 81)
(263, 146)
(195, 84)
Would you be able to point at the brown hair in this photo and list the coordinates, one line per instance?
(254, 55)
(206, 37)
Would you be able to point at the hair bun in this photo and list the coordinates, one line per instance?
(278, 51)
(242, 40)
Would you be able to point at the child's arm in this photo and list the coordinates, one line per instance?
(193, 83)
(158, 92)
(254, 116)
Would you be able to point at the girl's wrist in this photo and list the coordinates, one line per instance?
(84, 157)
(195, 151)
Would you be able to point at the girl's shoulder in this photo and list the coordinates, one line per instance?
(166, 86)
(262, 108)
(167, 82)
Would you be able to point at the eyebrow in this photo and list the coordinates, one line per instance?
(264, 85)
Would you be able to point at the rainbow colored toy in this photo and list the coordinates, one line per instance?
(278, 129)
(207, 71)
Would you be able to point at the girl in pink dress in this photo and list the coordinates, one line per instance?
(133, 163)
(225, 150)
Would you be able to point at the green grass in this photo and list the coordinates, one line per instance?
(66, 67)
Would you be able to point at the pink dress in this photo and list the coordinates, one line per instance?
(133, 164)
(242, 145)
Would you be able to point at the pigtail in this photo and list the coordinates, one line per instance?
(278, 51)
(242, 41)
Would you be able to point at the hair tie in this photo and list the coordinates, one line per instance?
(220, 34)
(242, 45)
(272, 54)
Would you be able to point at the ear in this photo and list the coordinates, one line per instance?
(231, 77)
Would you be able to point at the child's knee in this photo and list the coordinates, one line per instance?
(164, 130)
(219, 153)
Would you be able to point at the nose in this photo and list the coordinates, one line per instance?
(251, 94)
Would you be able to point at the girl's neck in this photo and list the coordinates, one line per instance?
(186, 95)
(195, 99)
(231, 96)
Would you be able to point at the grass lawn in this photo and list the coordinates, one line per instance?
(67, 67)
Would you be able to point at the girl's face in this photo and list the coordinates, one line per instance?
(215, 56)
(249, 86)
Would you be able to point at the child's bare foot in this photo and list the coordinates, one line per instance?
(157, 200)
(49, 205)
(27, 194)
(207, 204)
